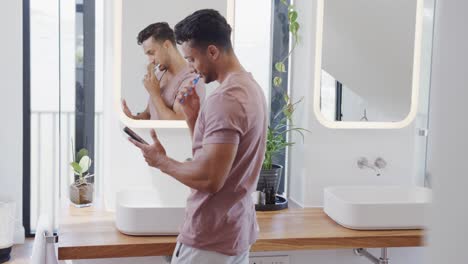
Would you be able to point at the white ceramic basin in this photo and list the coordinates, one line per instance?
(378, 207)
(142, 213)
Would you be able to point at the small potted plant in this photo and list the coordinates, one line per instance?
(271, 173)
(81, 191)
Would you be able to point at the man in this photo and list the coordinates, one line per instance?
(158, 43)
(228, 134)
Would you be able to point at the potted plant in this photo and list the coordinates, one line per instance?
(81, 191)
(271, 173)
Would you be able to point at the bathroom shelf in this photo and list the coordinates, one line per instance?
(89, 233)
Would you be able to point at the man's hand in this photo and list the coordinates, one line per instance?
(154, 154)
(126, 110)
(190, 102)
(150, 81)
(207, 172)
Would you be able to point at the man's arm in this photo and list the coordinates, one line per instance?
(152, 85)
(208, 172)
(191, 125)
(190, 106)
(164, 112)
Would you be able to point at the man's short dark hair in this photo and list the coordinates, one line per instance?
(160, 31)
(203, 28)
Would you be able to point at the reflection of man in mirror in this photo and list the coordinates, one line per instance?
(166, 74)
(229, 136)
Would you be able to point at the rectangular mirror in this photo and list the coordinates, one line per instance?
(367, 68)
(132, 60)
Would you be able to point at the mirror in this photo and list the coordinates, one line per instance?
(143, 109)
(131, 62)
(368, 62)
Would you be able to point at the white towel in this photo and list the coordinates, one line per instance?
(43, 253)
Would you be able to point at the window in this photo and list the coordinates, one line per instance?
(59, 92)
(280, 48)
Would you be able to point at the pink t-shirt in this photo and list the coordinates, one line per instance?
(169, 90)
(225, 221)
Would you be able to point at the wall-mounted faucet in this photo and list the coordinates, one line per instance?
(379, 164)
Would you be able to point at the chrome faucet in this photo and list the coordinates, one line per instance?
(379, 164)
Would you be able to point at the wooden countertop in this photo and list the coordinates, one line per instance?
(89, 233)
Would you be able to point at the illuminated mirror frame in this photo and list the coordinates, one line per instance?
(117, 73)
(415, 81)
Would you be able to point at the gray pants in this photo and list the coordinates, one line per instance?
(184, 254)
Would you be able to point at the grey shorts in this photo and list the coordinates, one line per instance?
(184, 254)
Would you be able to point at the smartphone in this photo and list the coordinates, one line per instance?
(134, 135)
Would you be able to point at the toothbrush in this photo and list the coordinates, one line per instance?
(156, 68)
(195, 81)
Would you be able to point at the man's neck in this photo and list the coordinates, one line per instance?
(232, 65)
(177, 64)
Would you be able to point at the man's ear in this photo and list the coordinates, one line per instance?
(167, 43)
(213, 52)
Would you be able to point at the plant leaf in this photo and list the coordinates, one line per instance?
(279, 66)
(292, 15)
(294, 27)
(83, 152)
(76, 168)
(85, 163)
(277, 81)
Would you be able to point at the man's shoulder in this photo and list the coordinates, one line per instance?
(222, 96)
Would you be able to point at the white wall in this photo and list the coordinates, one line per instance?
(252, 41)
(448, 140)
(373, 59)
(11, 141)
(353, 107)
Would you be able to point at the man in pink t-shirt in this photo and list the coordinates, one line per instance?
(229, 136)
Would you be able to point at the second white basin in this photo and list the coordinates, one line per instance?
(143, 213)
(378, 207)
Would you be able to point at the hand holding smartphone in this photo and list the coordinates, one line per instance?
(134, 135)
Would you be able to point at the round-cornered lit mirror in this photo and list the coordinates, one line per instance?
(368, 62)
